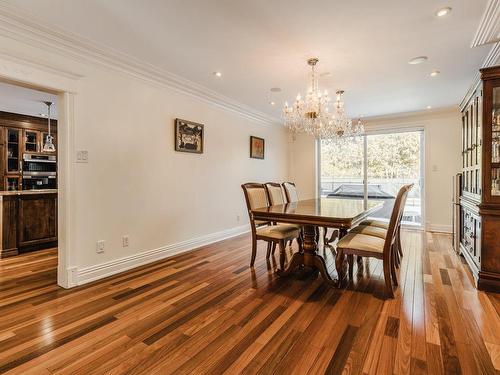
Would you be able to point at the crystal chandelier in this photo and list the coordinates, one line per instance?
(312, 115)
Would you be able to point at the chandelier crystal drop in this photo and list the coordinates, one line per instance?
(313, 115)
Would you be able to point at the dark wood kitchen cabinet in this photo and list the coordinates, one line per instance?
(29, 221)
(37, 219)
(20, 135)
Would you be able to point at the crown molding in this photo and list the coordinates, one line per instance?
(23, 27)
(424, 113)
(492, 59)
(43, 65)
(489, 27)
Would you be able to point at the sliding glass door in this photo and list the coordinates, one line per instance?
(338, 172)
(375, 166)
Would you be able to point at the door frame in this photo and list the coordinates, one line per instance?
(35, 75)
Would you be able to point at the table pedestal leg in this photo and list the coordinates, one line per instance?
(309, 257)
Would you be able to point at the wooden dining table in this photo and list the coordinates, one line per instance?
(312, 214)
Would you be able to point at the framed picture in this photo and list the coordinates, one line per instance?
(256, 147)
(189, 136)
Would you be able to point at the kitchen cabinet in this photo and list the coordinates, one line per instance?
(28, 221)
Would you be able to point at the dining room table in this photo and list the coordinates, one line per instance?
(312, 214)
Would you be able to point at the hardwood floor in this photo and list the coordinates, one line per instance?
(207, 312)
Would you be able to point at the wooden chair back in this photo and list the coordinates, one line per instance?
(396, 216)
(290, 192)
(255, 197)
(274, 193)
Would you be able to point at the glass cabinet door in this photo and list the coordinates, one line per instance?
(495, 143)
(31, 141)
(13, 150)
(12, 183)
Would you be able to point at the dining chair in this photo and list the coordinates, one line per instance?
(384, 225)
(374, 225)
(290, 192)
(292, 196)
(256, 197)
(369, 245)
(276, 197)
(379, 228)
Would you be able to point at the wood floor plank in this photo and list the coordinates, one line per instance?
(207, 311)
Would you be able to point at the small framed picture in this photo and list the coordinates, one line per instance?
(189, 136)
(257, 147)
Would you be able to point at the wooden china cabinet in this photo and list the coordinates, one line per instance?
(480, 198)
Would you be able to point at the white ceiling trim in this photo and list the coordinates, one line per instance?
(489, 27)
(42, 65)
(492, 59)
(23, 27)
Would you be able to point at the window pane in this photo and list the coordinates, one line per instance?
(393, 161)
(342, 167)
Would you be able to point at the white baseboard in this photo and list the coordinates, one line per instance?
(442, 228)
(99, 271)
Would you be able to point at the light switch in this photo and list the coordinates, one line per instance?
(82, 156)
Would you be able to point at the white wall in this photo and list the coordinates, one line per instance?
(135, 183)
(442, 159)
(303, 165)
(138, 185)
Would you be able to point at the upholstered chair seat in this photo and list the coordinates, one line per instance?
(369, 230)
(361, 242)
(383, 225)
(375, 223)
(278, 232)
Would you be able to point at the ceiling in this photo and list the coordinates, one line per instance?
(260, 44)
(17, 99)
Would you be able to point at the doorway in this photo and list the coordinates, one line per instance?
(28, 180)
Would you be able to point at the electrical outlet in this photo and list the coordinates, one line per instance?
(100, 246)
(125, 240)
(82, 156)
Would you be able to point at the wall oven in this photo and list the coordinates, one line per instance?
(39, 172)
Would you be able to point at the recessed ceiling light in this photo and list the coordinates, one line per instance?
(428, 107)
(275, 89)
(272, 103)
(443, 12)
(217, 74)
(418, 60)
(435, 73)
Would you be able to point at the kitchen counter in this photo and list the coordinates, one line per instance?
(27, 192)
